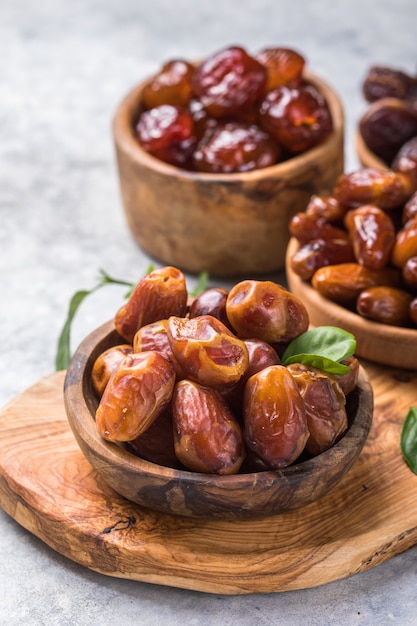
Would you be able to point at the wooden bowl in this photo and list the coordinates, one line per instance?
(393, 346)
(225, 224)
(186, 493)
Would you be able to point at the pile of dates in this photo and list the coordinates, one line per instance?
(358, 245)
(390, 122)
(198, 383)
(234, 112)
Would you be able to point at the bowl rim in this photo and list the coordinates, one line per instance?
(366, 157)
(82, 423)
(124, 138)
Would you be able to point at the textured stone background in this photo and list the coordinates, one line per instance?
(64, 66)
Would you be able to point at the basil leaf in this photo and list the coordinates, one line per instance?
(321, 362)
(328, 342)
(409, 439)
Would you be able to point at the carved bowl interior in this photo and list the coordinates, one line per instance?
(186, 493)
(225, 224)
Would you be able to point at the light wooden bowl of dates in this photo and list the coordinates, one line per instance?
(228, 224)
(177, 491)
(393, 346)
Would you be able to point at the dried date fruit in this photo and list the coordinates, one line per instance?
(386, 82)
(105, 364)
(307, 227)
(348, 381)
(319, 253)
(298, 118)
(405, 160)
(167, 132)
(229, 81)
(207, 351)
(211, 302)
(275, 425)
(265, 310)
(152, 336)
(344, 282)
(327, 208)
(139, 389)
(369, 185)
(158, 295)
(156, 444)
(284, 67)
(386, 126)
(207, 437)
(372, 233)
(409, 209)
(386, 305)
(409, 272)
(235, 147)
(171, 85)
(405, 243)
(325, 405)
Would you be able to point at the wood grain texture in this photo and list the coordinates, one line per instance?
(48, 487)
(225, 224)
(380, 343)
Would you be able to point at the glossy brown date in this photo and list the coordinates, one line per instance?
(298, 118)
(344, 282)
(325, 405)
(386, 126)
(171, 85)
(235, 147)
(319, 253)
(409, 272)
(229, 81)
(383, 188)
(265, 310)
(348, 382)
(387, 305)
(105, 364)
(327, 208)
(413, 311)
(207, 351)
(405, 245)
(156, 444)
(307, 227)
(372, 233)
(275, 425)
(410, 209)
(386, 82)
(158, 295)
(207, 437)
(284, 66)
(211, 301)
(405, 160)
(139, 389)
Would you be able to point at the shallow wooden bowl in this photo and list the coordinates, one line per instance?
(191, 494)
(225, 224)
(387, 345)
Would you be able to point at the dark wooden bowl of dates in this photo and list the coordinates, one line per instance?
(390, 345)
(252, 492)
(218, 194)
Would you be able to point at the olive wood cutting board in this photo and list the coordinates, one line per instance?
(48, 487)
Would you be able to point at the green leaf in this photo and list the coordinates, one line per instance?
(321, 362)
(201, 285)
(332, 343)
(409, 439)
(63, 355)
